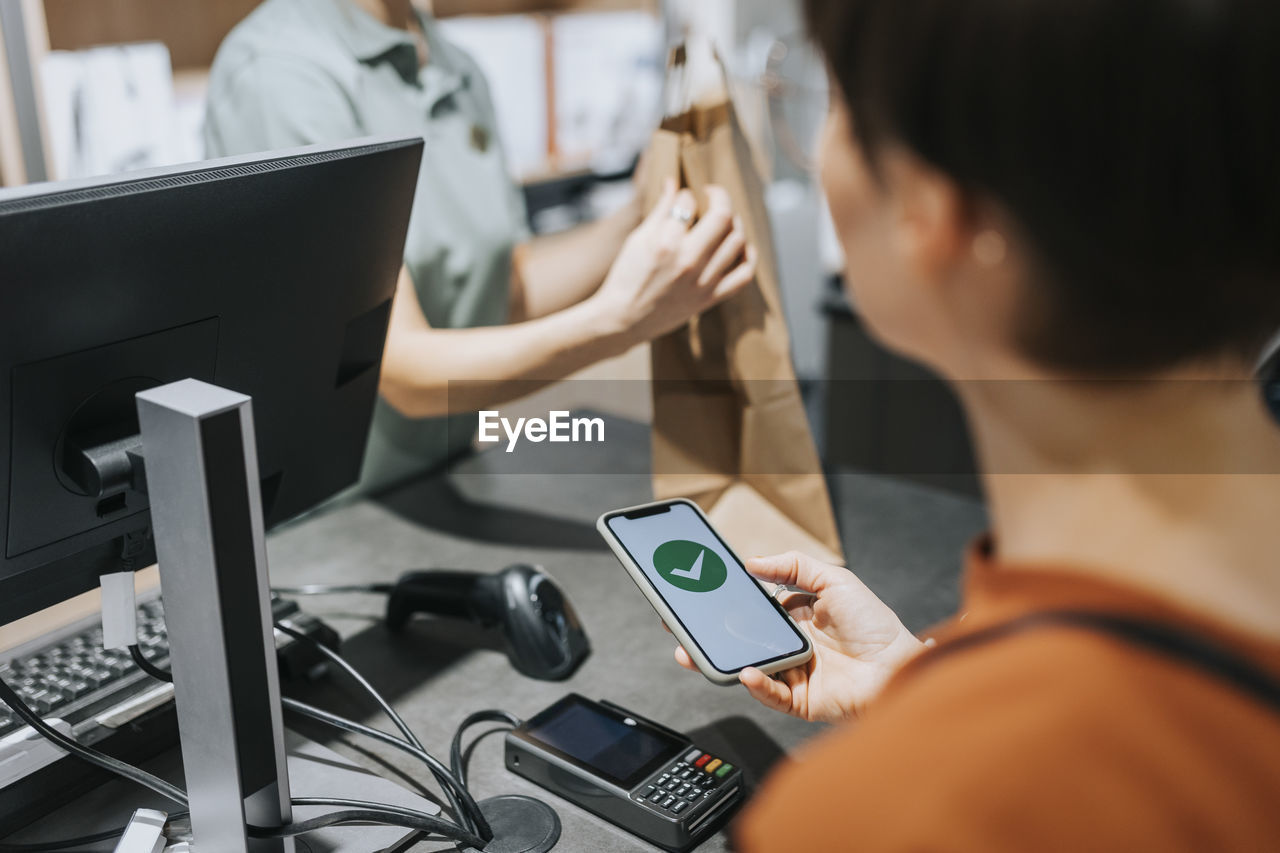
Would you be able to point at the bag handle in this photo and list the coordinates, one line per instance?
(684, 63)
(1185, 647)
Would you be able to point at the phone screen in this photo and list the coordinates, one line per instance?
(718, 603)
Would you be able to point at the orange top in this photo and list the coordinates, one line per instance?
(1050, 739)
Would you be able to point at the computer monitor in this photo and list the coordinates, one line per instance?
(270, 275)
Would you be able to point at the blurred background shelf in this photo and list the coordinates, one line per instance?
(191, 31)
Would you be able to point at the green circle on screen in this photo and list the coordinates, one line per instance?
(691, 566)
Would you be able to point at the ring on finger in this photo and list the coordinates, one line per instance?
(683, 214)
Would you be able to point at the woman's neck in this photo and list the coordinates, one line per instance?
(401, 15)
(1172, 486)
(393, 13)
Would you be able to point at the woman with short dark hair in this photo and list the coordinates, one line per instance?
(1071, 210)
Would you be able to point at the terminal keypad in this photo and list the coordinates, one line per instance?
(686, 783)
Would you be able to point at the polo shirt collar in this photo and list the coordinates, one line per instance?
(444, 74)
(372, 41)
(364, 35)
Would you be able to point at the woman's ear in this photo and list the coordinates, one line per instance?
(930, 222)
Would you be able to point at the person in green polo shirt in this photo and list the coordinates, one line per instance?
(478, 299)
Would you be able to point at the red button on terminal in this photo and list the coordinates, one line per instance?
(703, 760)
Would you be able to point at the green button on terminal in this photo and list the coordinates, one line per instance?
(724, 770)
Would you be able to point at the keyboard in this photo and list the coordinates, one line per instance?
(77, 674)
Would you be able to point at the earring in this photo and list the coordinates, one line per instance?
(989, 248)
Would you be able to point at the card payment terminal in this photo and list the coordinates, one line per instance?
(633, 772)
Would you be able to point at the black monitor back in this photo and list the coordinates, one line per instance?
(271, 275)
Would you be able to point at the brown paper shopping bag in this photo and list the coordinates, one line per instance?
(729, 427)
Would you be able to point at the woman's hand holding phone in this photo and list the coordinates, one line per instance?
(858, 641)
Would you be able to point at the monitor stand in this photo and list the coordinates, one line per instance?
(206, 513)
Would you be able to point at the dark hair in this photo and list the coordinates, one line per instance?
(1135, 142)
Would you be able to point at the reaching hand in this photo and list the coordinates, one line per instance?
(858, 642)
(670, 270)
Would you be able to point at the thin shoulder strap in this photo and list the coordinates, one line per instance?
(1188, 648)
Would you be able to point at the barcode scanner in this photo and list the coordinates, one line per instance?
(543, 637)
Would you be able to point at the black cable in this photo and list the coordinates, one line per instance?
(335, 589)
(491, 715)
(82, 841)
(450, 783)
(359, 811)
(355, 811)
(460, 800)
(106, 762)
(58, 846)
(341, 662)
(147, 666)
(447, 781)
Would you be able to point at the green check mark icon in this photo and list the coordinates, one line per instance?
(690, 566)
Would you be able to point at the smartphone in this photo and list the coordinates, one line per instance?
(720, 614)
